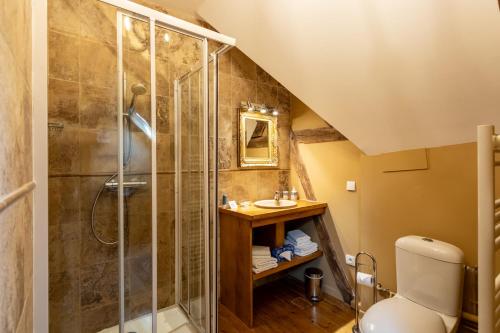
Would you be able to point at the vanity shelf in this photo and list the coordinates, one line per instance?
(288, 264)
(239, 229)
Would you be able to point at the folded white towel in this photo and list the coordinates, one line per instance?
(261, 262)
(307, 249)
(258, 250)
(306, 253)
(264, 268)
(261, 257)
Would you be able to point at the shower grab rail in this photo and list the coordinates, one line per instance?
(488, 230)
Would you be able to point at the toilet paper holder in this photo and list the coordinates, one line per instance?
(355, 328)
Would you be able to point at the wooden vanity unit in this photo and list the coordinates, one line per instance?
(236, 239)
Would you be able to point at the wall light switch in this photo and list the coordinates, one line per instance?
(351, 185)
(350, 260)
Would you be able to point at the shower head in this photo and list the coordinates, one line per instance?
(137, 90)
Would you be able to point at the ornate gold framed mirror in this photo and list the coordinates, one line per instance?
(258, 139)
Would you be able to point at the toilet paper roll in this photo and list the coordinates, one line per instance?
(365, 279)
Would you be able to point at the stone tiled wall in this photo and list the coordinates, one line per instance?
(16, 252)
(241, 79)
(82, 97)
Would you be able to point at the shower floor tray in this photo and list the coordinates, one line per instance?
(170, 320)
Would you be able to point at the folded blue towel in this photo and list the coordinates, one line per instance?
(279, 250)
(297, 235)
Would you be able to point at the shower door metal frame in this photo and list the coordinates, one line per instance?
(154, 218)
(157, 18)
(206, 185)
(119, 119)
(212, 262)
(172, 22)
(213, 211)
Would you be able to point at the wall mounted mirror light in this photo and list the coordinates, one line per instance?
(258, 139)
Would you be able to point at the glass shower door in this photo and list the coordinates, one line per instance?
(129, 177)
(164, 148)
(137, 181)
(193, 226)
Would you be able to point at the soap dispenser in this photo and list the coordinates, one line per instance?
(293, 194)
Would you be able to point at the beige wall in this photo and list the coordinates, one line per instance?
(329, 165)
(16, 254)
(438, 202)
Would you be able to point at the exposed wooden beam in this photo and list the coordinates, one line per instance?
(329, 241)
(317, 135)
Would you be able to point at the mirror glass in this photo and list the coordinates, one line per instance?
(257, 138)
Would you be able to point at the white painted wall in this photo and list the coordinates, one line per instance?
(389, 74)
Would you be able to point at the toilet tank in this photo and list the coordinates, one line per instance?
(430, 273)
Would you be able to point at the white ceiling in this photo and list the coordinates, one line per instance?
(389, 74)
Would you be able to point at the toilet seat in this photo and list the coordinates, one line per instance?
(400, 315)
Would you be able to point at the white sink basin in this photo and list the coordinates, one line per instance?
(272, 203)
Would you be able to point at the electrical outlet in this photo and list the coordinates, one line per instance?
(350, 260)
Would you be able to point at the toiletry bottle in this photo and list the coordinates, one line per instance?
(294, 195)
(285, 195)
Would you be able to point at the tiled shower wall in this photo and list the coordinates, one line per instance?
(82, 154)
(16, 228)
(82, 97)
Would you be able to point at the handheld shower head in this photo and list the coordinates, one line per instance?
(137, 90)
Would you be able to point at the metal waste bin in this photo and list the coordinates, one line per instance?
(313, 278)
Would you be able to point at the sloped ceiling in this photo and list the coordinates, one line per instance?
(389, 74)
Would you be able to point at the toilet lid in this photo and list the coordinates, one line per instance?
(399, 315)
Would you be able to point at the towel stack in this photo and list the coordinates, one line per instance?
(262, 260)
(302, 245)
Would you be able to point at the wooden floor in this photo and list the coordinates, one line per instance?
(280, 307)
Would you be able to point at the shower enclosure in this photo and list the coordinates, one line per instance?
(147, 176)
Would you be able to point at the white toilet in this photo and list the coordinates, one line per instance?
(429, 290)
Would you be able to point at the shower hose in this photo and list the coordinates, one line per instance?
(94, 205)
(103, 186)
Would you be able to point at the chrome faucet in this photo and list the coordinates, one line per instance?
(277, 198)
